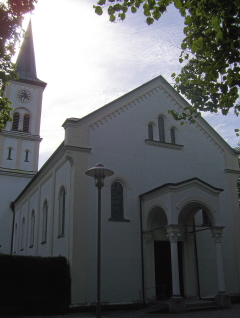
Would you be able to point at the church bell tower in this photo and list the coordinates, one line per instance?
(20, 144)
(20, 140)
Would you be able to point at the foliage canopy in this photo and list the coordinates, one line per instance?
(210, 76)
(11, 16)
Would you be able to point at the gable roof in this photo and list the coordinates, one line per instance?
(186, 183)
(144, 91)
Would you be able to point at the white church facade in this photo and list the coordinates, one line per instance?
(170, 214)
(20, 140)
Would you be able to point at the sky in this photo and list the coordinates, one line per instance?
(88, 61)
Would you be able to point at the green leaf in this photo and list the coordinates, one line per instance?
(111, 11)
(122, 16)
(149, 20)
(183, 46)
(98, 10)
(219, 35)
(112, 18)
(188, 20)
(178, 4)
(133, 9)
(101, 2)
(147, 12)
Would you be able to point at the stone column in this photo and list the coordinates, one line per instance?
(223, 300)
(177, 303)
(191, 289)
(149, 266)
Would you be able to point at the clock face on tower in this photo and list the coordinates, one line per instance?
(24, 96)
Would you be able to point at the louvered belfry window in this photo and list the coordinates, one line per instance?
(15, 123)
(26, 122)
(117, 201)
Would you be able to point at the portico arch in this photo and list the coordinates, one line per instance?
(184, 214)
(190, 206)
(156, 220)
(196, 220)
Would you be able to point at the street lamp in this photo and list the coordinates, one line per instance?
(99, 172)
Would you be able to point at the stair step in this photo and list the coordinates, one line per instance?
(156, 308)
(210, 305)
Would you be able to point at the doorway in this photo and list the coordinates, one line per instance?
(163, 270)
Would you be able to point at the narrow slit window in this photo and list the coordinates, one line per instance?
(62, 205)
(44, 222)
(26, 122)
(150, 132)
(116, 201)
(15, 123)
(15, 238)
(32, 229)
(172, 133)
(23, 234)
(161, 129)
(9, 157)
(26, 156)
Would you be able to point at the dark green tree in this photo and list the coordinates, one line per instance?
(11, 16)
(210, 76)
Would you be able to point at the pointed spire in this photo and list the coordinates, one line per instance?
(26, 66)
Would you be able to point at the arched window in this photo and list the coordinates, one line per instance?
(161, 129)
(61, 216)
(150, 131)
(116, 201)
(15, 123)
(172, 133)
(32, 228)
(44, 222)
(26, 122)
(23, 234)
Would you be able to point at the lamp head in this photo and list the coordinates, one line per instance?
(99, 172)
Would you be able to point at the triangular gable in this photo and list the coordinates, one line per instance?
(134, 97)
(193, 182)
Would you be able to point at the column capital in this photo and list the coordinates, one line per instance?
(148, 237)
(172, 228)
(68, 156)
(173, 233)
(217, 233)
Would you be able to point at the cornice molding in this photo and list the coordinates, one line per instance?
(232, 171)
(25, 84)
(20, 135)
(126, 106)
(163, 144)
(200, 122)
(17, 173)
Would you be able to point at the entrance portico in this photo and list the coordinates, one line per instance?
(184, 214)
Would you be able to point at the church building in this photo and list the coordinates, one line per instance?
(170, 213)
(20, 140)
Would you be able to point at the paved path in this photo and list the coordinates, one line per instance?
(234, 312)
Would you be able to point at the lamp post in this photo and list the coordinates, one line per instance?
(99, 172)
